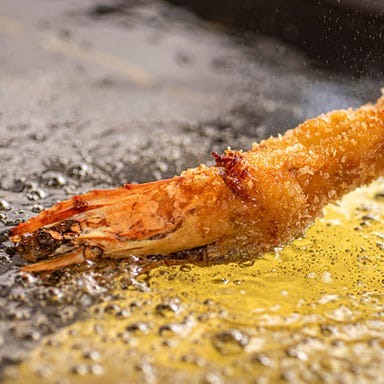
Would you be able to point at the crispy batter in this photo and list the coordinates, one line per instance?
(249, 203)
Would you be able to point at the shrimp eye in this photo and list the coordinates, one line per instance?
(45, 241)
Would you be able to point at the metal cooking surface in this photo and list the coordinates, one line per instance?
(95, 95)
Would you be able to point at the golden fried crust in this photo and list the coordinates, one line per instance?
(284, 182)
(335, 152)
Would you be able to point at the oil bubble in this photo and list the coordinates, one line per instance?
(36, 194)
(3, 218)
(112, 308)
(92, 355)
(212, 378)
(185, 268)
(192, 359)
(167, 309)
(80, 171)
(32, 335)
(4, 205)
(262, 359)
(300, 355)
(44, 371)
(230, 341)
(37, 208)
(54, 179)
(123, 314)
(170, 329)
(81, 369)
(139, 328)
(96, 369)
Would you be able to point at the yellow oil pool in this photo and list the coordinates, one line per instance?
(312, 312)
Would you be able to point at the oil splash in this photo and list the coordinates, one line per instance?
(311, 312)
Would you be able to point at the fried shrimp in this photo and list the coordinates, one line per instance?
(245, 205)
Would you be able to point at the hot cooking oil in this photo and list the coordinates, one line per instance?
(310, 312)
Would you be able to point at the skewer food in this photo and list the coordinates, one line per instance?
(245, 205)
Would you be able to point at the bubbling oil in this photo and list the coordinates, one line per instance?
(310, 312)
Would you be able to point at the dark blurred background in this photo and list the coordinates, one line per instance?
(343, 35)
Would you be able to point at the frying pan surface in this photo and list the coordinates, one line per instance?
(96, 94)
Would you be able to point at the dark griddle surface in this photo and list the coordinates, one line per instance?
(95, 95)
